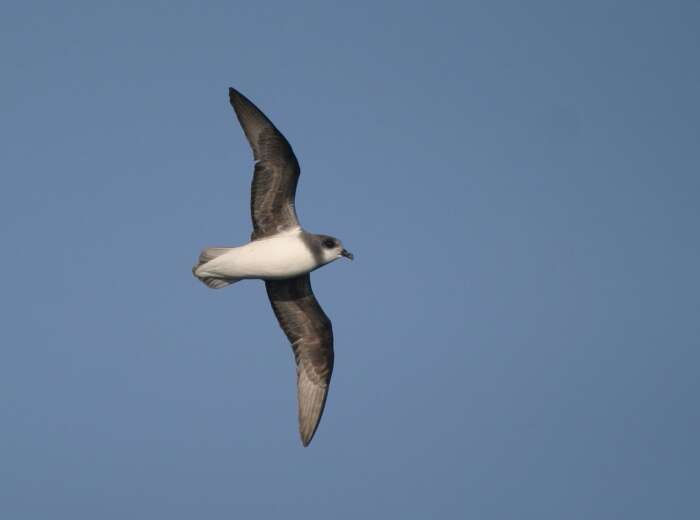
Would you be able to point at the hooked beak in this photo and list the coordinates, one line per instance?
(347, 254)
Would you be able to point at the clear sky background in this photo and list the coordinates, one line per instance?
(517, 337)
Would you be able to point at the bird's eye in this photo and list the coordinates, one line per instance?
(329, 243)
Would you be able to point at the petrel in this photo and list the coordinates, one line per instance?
(282, 254)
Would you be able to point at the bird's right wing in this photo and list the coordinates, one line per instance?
(276, 170)
(310, 332)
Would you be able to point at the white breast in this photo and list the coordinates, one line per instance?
(283, 256)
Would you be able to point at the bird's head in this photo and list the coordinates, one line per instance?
(329, 248)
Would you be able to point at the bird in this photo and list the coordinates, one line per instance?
(283, 254)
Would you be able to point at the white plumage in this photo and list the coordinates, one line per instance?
(278, 257)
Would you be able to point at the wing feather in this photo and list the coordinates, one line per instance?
(276, 170)
(311, 334)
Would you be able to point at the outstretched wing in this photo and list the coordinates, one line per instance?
(310, 332)
(276, 170)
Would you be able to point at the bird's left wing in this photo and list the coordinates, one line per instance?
(310, 332)
(276, 170)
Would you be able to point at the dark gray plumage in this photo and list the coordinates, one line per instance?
(299, 314)
(311, 334)
(276, 170)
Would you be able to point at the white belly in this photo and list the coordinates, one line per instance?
(283, 256)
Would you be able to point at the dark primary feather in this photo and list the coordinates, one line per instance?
(276, 170)
(310, 332)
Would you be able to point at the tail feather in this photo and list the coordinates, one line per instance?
(210, 253)
(217, 283)
(207, 255)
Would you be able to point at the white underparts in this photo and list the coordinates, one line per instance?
(282, 256)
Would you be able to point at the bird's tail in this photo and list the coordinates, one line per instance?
(206, 256)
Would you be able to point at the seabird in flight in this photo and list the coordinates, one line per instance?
(283, 254)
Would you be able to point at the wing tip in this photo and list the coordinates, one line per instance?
(308, 435)
(308, 427)
(305, 441)
(233, 95)
(312, 403)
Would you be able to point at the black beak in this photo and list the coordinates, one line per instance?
(347, 254)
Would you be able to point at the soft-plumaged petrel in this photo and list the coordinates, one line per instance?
(283, 254)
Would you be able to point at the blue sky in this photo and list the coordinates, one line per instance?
(517, 337)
